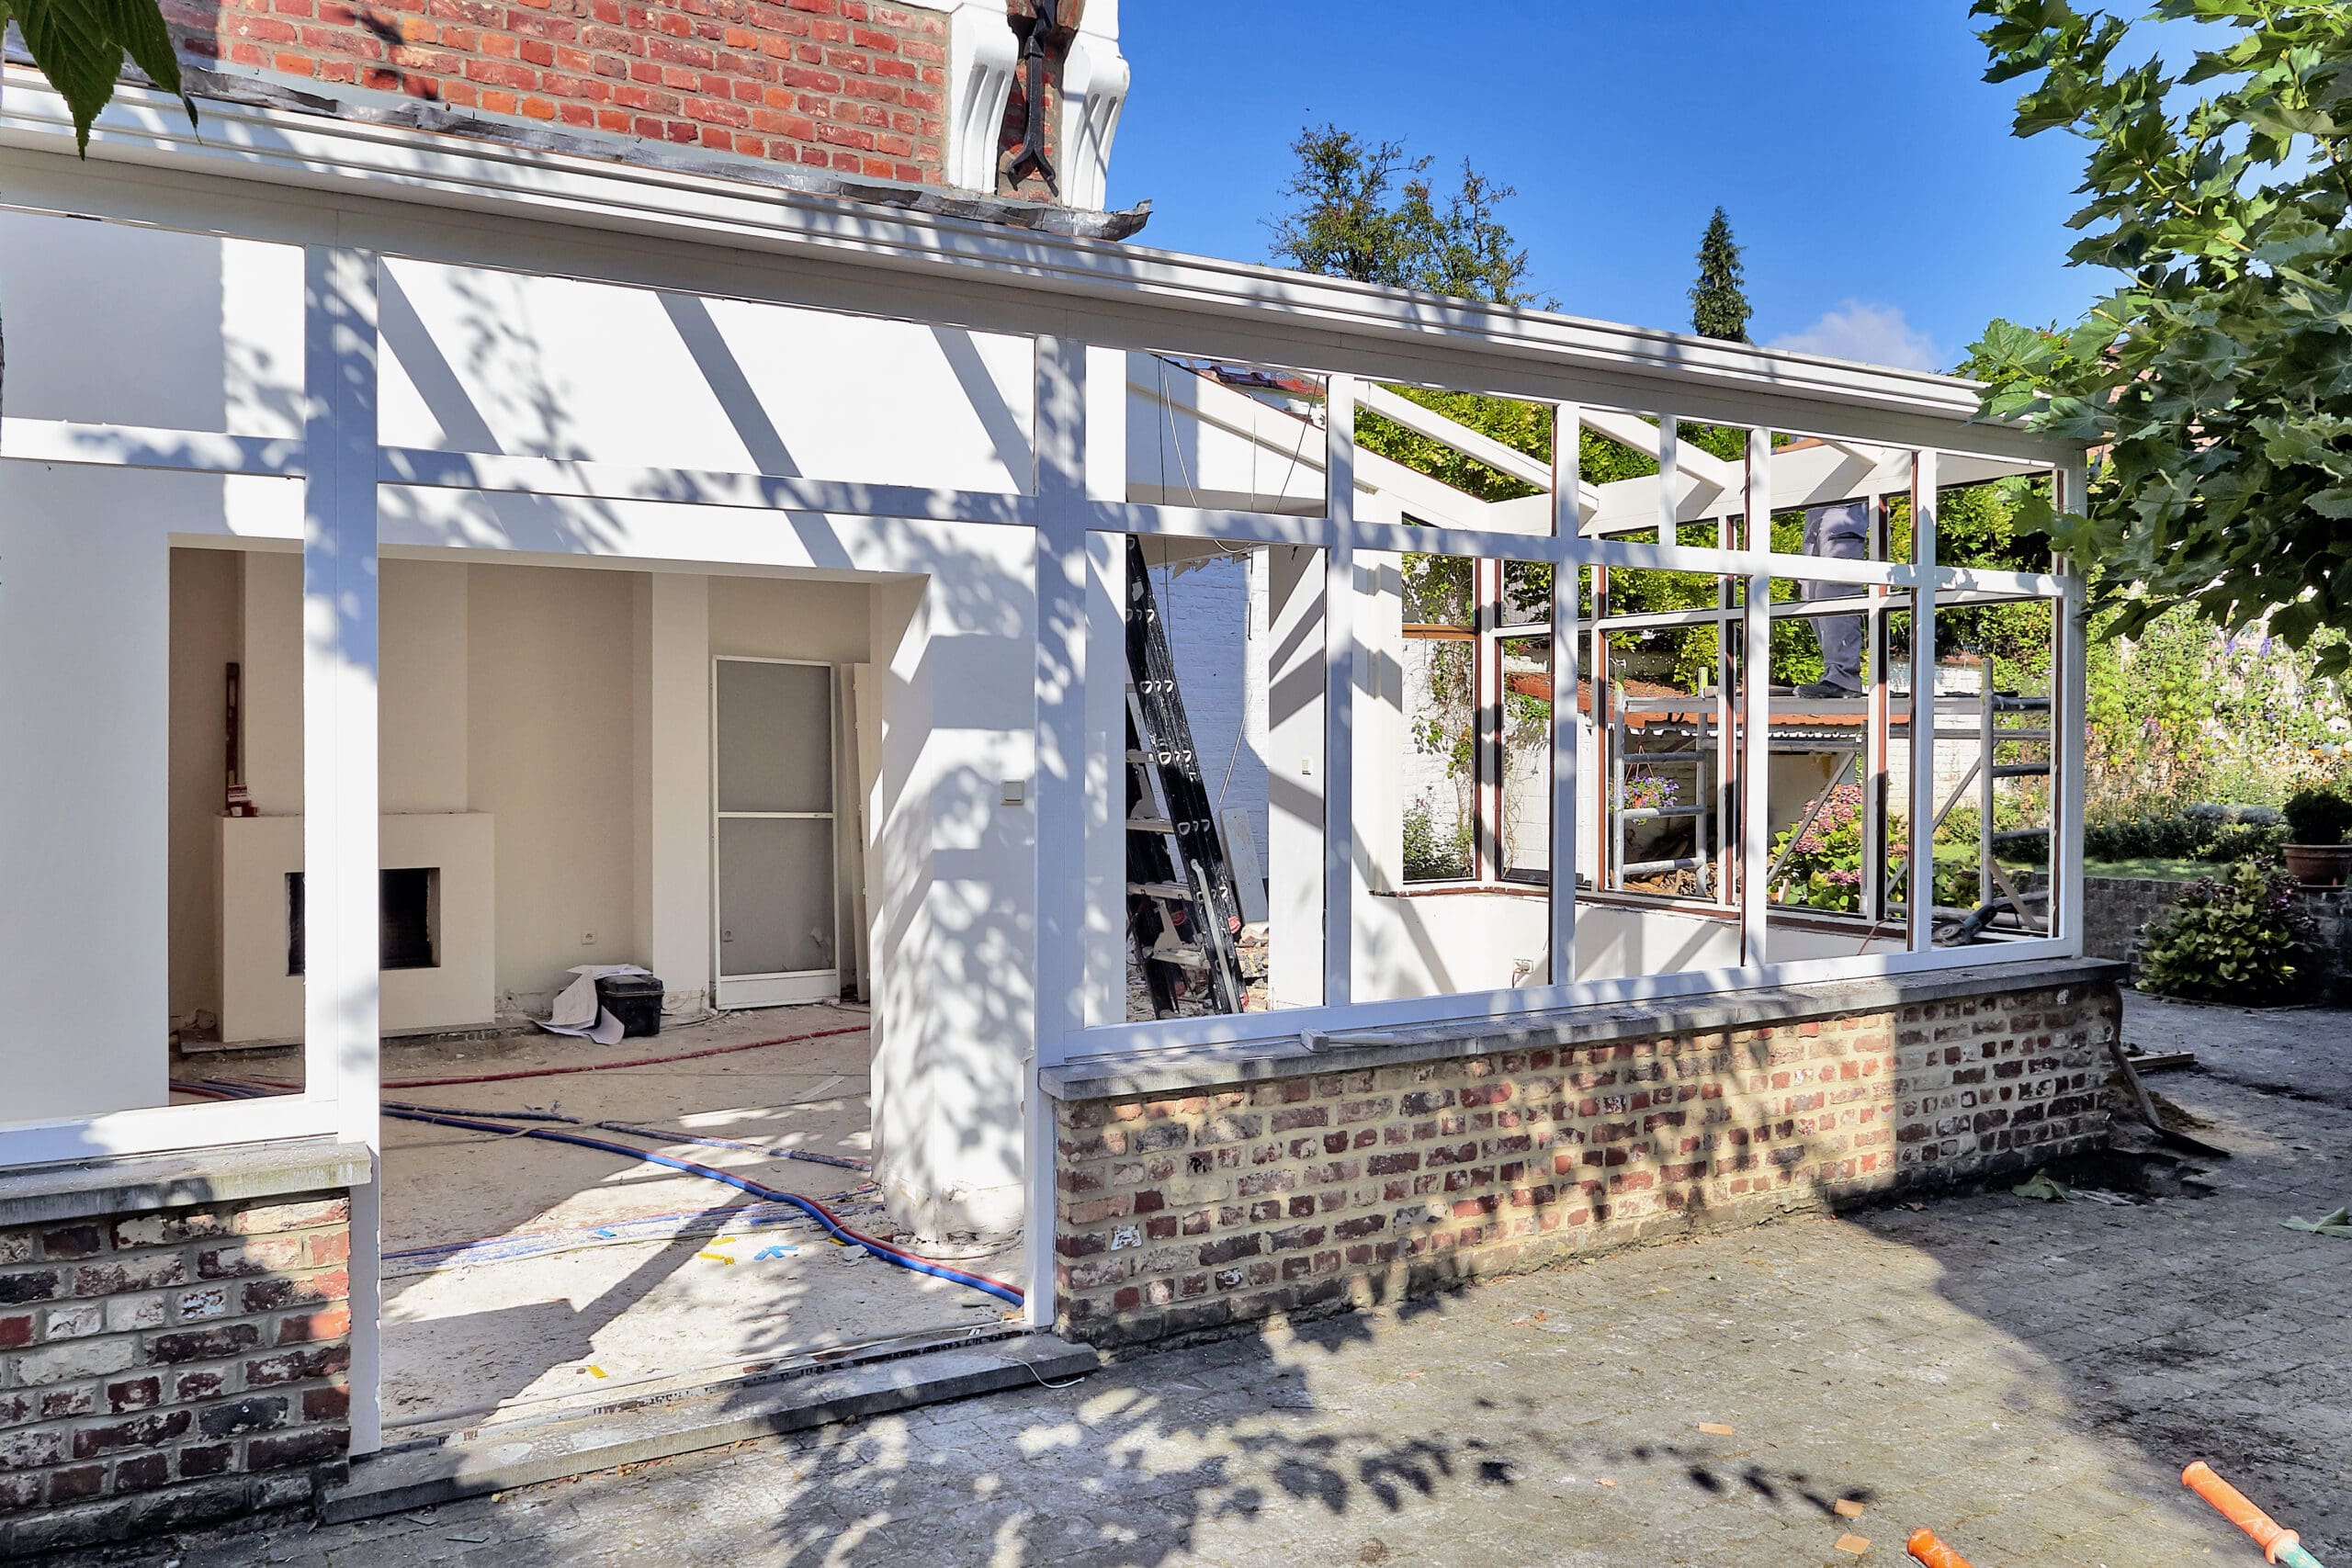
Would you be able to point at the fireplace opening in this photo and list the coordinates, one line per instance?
(409, 930)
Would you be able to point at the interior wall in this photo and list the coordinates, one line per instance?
(422, 632)
(207, 637)
(549, 734)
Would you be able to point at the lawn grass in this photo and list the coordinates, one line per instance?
(2154, 869)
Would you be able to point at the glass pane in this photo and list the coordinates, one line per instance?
(1993, 770)
(1836, 721)
(1203, 432)
(1527, 759)
(1441, 784)
(775, 894)
(775, 736)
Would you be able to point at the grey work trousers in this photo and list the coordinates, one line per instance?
(1839, 531)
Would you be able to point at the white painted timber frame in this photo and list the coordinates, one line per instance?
(351, 194)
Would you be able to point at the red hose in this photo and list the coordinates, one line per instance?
(606, 1066)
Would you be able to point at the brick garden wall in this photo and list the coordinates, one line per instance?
(165, 1368)
(2115, 908)
(1188, 1210)
(843, 85)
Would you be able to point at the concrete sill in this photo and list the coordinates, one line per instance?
(87, 1189)
(1160, 1071)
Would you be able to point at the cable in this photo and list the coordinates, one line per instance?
(823, 1215)
(861, 1166)
(608, 1067)
(659, 1134)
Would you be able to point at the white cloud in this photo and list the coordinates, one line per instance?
(1876, 334)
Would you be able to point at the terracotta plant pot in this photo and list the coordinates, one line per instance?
(2320, 865)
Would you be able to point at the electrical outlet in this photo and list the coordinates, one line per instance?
(587, 939)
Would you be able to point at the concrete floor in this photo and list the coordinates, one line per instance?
(641, 1277)
(2025, 1377)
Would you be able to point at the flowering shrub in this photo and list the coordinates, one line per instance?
(2233, 938)
(2183, 712)
(1822, 867)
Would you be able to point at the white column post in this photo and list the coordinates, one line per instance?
(1057, 789)
(2069, 703)
(1107, 770)
(341, 901)
(1568, 730)
(1339, 871)
(1919, 880)
(1755, 758)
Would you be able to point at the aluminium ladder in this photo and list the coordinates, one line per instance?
(1182, 913)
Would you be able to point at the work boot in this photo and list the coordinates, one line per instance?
(1822, 690)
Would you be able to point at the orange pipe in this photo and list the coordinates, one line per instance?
(1924, 1546)
(2233, 1505)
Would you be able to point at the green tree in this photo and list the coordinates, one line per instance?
(1719, 305)
(2218, 377)
(1363, 211)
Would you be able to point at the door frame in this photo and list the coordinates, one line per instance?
(782, 986)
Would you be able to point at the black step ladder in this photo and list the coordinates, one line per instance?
(1182, 915)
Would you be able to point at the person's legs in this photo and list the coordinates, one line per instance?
(1839, 531)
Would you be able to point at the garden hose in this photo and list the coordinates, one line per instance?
(2278, 1544)
(1924, 1547)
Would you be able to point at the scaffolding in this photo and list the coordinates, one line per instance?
(1697, 722)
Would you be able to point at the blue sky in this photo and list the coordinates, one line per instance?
(1884, 210)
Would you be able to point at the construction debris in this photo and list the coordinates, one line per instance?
(2041, 1188)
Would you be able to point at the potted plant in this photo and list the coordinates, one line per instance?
(2317, 820)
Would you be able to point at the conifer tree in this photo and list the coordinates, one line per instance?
(1719, 306)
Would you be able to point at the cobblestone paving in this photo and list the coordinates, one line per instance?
(2027, 1379)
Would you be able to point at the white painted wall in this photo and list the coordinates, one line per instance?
(213, 326)
(85, 619)
(483, 361)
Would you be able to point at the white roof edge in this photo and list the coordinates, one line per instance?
(147, 128)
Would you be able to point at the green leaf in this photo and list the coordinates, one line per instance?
(79, 46)
(138, 24)
(70, 46)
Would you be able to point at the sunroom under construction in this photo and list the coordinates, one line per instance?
(1037, 707)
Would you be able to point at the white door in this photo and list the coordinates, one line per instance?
(771, 838)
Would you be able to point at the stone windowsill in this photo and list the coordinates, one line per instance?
(89, 1188)
(1158, 1072)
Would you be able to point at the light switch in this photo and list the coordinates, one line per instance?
(1016, 791)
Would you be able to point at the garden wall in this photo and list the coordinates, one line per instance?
(175, 1340)
(1197, 1193)
(2114, 910)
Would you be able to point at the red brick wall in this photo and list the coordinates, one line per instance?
(845, 85)
(167, 1369)
(1189, 1209)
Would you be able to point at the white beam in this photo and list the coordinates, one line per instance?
(1058, 790)
(1919, 880)
(1756, 690)
(341, 901)
(1567, 729)
(1340, 873)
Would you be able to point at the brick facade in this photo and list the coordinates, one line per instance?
(844, 85)
(1198, 1207)
(165, 1368)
